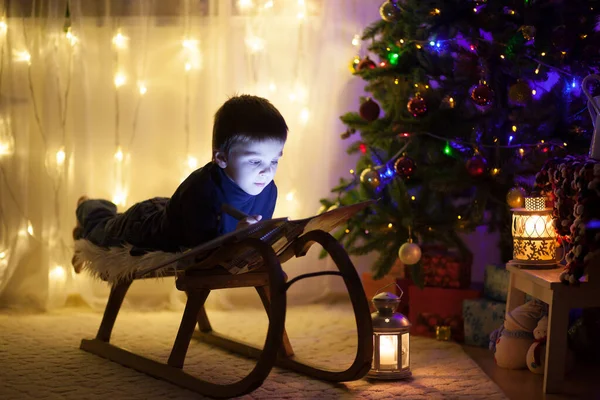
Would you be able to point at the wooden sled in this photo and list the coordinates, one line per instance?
(270, 283)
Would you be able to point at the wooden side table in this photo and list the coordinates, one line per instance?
(545, 285)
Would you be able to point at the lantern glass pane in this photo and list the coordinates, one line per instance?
(534, 238)
(388, 351)
(405, 350)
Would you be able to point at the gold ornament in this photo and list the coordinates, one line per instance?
(409, 253)
(528, 32)
(354, 64)
(370, 177)
(333, 207)
(448, 102)
(516, 197)
(520, 93)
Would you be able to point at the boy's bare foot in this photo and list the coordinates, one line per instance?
(78, 228)
(82, 199)
(77, 263)
(77, 234)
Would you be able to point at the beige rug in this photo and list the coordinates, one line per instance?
(40, 358)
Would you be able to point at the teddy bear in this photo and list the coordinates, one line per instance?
(513, 339)
(536, 355)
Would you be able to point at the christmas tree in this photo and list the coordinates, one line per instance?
(467, 100)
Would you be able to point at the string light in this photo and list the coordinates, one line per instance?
(289, 196)
(142, 88)
(413, 198)
(120, 79)
(2, 255)
(190, 44)
(5, 149)
(70, 37)
(22, 56)
(356, 40)
(3, 27)
(119, 154)
(255, 44)
(60, 156)
(192, 162)
(120, 197)
(57, 273)
(120, 40)
(304, 115)
(245, 4)
(29, 228)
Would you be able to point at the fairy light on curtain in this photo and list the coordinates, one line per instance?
(59, 160)
(192, 58)
(142, 85)
(119, 42)
(7, 144)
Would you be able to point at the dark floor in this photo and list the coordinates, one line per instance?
(582, 383)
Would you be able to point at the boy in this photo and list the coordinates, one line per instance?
(249, 134)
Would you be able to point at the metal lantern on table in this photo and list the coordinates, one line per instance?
(391, 339)
(534, 237)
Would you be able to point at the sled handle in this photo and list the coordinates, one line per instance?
(588, 94)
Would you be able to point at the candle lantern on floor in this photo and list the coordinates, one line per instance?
(391, 340)
(534, 237)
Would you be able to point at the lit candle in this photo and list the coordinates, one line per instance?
(538, 226)
(388, 349)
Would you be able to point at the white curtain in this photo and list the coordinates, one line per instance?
(117, 102)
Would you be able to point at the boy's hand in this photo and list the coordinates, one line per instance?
(246, 222)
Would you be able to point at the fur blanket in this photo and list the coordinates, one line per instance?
(115, 264)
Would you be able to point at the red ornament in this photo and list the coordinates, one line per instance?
(369, 110)
(405, 167)
(482, 94)
(476, 166)
(417, 106)
(366, 63)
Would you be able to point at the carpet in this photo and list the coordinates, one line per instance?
(40, 358)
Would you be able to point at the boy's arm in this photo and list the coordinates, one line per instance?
(194, 215)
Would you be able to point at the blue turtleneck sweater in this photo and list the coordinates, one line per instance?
(193, 214)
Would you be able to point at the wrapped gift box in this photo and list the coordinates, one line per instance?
(495, 283)
(371, 286)
(433, 306)
(445, 268)
(481, 317)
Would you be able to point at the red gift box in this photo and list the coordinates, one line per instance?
(446, 268)
(433, 306)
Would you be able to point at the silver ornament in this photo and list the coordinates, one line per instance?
(409, 253)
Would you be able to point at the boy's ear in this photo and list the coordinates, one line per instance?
(220, 159)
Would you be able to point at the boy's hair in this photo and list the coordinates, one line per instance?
(247, 118)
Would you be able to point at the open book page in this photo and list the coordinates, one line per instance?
(229, 251)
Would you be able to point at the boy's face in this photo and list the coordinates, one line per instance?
(251, 165)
